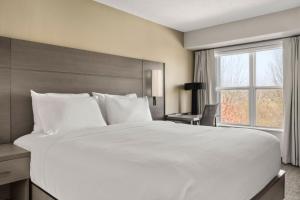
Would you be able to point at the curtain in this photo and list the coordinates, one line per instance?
(205, 72)
(291, 83)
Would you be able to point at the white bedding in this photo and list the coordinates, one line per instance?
(153, 161)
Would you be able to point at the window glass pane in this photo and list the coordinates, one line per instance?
(269, 68)
(234, 107)
(269, 108)
(234, 70)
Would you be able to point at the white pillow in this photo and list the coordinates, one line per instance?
(122, 110)
(59, 115)
(35, 98)
(102, 97)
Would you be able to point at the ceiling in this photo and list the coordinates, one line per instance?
(188, 15)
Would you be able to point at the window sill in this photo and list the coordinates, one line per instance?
(273, 130)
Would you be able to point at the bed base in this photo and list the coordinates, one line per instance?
(273, 191)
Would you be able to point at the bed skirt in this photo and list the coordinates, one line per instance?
(273, 191)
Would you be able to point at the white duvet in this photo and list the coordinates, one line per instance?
(153, 161)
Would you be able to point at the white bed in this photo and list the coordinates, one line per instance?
(153, 161)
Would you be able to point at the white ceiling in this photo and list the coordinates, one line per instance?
(187, 15)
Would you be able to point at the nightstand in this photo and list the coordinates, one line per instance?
(184, 118)
(14, 172)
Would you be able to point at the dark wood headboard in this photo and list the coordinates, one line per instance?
(26, 65)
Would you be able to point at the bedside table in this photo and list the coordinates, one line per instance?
(184, 118)
(14, 172)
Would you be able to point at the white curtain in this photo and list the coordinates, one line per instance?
(205, 72)
(291, 83)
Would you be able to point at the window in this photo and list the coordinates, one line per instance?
(249, 87)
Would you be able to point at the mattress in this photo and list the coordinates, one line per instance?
(153, 161)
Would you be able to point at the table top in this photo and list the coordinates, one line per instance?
(10, 151)
(184, 117)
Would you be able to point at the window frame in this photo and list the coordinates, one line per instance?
(252, 87)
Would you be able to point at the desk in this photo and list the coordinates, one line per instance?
(184, 118)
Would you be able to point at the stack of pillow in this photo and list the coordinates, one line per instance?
(57, 113)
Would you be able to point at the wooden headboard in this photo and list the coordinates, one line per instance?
(28, 65)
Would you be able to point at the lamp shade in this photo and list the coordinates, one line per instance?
(194, 86)
(157, 83)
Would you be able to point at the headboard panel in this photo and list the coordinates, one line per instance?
(28, 65)
(43, 57)
(4, 89)
(4, 105)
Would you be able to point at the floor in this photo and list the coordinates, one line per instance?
(292, 187)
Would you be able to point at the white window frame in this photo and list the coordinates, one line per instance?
(251, 49)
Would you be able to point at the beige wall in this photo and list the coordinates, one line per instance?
(88, 25)
(271, 26)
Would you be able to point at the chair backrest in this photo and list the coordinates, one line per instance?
(208, 115)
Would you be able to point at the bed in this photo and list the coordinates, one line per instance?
(150, 165)
(153, 160)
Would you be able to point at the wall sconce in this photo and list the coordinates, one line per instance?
(154, 84)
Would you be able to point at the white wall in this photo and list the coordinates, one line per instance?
(271, 26)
